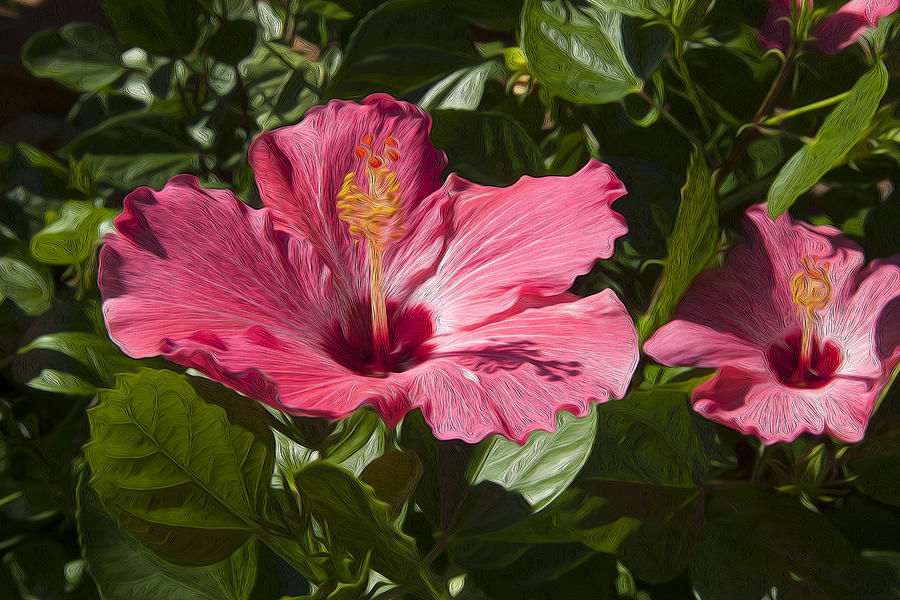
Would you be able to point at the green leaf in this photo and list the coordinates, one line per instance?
(80, 56)
(585, 52)
(645, 9)
(179, 475)
(360, 438)
(361, 523)
(167, 27)
(393, 477)
(692, 245)
(544, 467)
(401, 46)
(96, 352)
(120, 567)
(70, 239)
(27, 284)
(462, 89)
(233, 41)
(496, 150)
(281, 84)
(651, 437)
(754, 541)
(60, 382)
(845, 127)
(137, 148)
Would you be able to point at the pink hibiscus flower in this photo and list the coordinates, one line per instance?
(835, 33)
(804, 338)
(364, 281)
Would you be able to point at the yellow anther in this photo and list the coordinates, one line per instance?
(811, 287)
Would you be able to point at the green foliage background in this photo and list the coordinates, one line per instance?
(101, 496)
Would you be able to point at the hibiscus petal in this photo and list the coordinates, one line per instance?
(843, 27)
(717, 323)
(300, 168)
(200, 278)
(512, 376)
(497, 244)
(753, 403)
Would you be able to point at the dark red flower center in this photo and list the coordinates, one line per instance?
(791, 368)
(352, 344)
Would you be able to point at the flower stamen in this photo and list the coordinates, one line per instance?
(373, 214)
(811, 289)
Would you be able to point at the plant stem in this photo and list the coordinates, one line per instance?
(804, 109)
(690, 87)
(768, 102)
(668, 116)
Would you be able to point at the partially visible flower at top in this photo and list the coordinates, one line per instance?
(804, 337)
(363, 281)
(835, 33)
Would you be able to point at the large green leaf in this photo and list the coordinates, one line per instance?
(79, 55)
(755, 541)
(70, 239)
(544, 467)
(692, 244)
(585, 52)
(401, 46)
(495, 150)
(124, 570)
(96, 352)
(845, 127)
(175, 471)
(651, 437)
(361, 523)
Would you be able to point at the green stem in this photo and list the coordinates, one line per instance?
(804, 109)
(668, 116)
(690, 87)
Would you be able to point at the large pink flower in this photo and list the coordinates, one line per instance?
(835, 33)
(804, 337)
(366, 282)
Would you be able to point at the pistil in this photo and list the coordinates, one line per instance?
(811, 289)
(373, 215)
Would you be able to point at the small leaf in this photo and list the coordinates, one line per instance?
(95, 352)
(588, 52)
(544, 467)
(693, 244)
(120, 567)
(80, 56)
(361, 523)
(60, 382)
(845, 127)
(462, 89)
(70, 239)
(28, 285)
(178, 474)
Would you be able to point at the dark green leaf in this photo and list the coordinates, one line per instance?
(79, 55)
(233, 41)
(461, 89)
(755, 541)
(400, 47)
(176, 472)
(645, 9)
(96, 352)
(167, 27)
(692, 245)
(393, 477)
(586, 53)
(545, 466)
(845, 127)
(123, 569)
(361, 523)
(60, 382)
(496, 150)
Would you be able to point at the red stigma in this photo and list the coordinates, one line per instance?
(367, 140)
(393, 154)
(390, 141)
(375, 162)
(360, 152)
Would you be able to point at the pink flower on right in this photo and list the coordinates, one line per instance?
(804, 336)
(835, 33)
